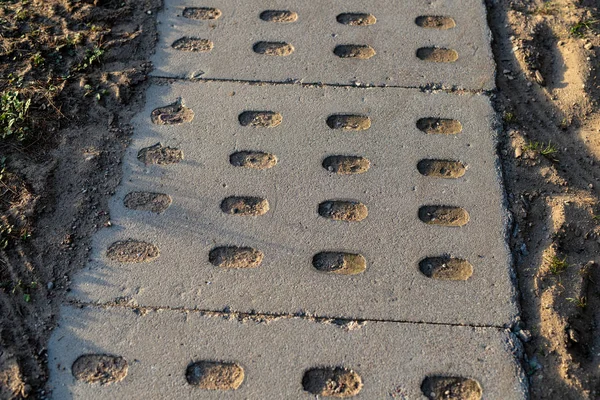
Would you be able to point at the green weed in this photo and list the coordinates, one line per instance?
(557, 265)
(13, 113)
(580, 28)
(579, 301)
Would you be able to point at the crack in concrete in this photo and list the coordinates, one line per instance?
(429, 88)
(345, 323)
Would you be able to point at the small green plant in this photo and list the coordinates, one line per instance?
(37, 59)
(92, 56)
(532, 146)
(580, 28)
(547, 150)
(5, 231)
(509, 118)
(579, 301)
(557, 265)
(13, 111)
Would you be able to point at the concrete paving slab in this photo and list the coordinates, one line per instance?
(392, 238)
(392, 359)
(233, 46)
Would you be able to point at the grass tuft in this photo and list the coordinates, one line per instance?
(13, 114)
(557, 265)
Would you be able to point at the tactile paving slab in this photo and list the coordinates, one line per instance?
(380, 42)
(293, 218)
(392, 359)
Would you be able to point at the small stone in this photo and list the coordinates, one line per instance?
(539, 78)
(149, 12)
(588, 46)
(50, 285)
(518, 152)
(524, 335)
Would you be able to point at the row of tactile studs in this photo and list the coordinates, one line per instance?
(358, 51)
(337, 381)
(443, 267)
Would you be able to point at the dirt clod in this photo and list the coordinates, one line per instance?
(451, 388)
(100, 368)
(147, 201)
(235, 257)
(214, 375)
(132, 251)
(332, 382)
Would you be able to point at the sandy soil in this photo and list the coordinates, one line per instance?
(55, 184)
(547, 55)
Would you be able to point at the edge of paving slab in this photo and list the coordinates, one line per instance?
(118, 327)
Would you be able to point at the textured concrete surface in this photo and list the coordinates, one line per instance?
(392, 359)
(156, 292)
(395, 37)
(392, 238)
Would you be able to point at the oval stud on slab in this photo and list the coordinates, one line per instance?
(262, 119)
(245, 205)
(340, 263)
(279, 16)
(332, 382)
(437, 54)
(192, 44)
(448, 169)
(201, 13)
(445, 387)
(173, 114)
(99, 368)
(360, 51)
(446, 268)
(346, 165)
(349, 122)
(160, 155)
(235, 257)
(444, 215)
(253, 159)
(280, 49)
(356, 19)
(439, 126)
(343, 210)
(132, 251)
(215, 375)
(435, 22)
(147, 201)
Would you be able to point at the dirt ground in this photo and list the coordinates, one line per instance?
(83, 65)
